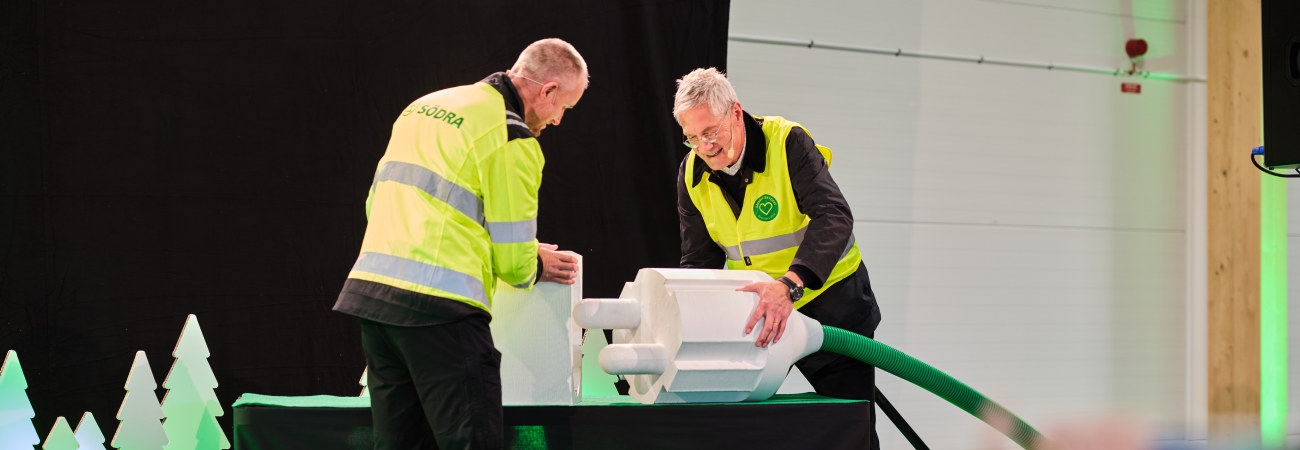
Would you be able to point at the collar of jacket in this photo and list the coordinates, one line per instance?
(755, 152)
(502, 83)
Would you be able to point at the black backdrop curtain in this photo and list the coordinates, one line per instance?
(160, 159)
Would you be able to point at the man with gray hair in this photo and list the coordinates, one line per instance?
(756, 193)
(453, 209)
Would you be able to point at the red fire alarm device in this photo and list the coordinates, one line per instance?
(1135, 48)
(1130, 88)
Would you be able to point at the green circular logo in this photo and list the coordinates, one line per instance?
(765, 208)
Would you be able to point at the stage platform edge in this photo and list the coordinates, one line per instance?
(784, 421)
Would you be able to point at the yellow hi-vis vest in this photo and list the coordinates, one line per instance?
(770, 227)
(454, 203)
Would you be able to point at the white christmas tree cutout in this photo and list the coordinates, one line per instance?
(88, 435)
(140, 417)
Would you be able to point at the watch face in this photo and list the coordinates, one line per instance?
(796, 291)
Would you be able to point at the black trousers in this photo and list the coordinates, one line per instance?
(850, 305)
(436, 386)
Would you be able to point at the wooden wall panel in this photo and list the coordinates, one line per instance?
(1234, 108)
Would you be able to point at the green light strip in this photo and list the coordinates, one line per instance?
(529, 437)
(1166, 77)
(1272, 312)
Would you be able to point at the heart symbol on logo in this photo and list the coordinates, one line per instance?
(765, 208)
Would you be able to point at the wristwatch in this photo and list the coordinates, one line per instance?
(796, 291)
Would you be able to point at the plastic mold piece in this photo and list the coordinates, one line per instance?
(541, 347)
(679, 337)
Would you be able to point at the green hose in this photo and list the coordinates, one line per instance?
(892, 360)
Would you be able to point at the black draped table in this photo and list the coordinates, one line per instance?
(794, 421)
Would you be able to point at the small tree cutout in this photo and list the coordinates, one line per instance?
(16, 413)
(191, 404)
(365, 390)
(210, 434)
(60, 437)
(89, 437)
(140, 417)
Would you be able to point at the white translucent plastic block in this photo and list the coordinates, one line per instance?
(685, 341)
(540, 345)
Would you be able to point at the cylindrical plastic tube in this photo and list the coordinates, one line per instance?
(892, 360)
(634, 359)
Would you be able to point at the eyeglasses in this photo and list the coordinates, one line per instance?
(566, 106)
(526, 78)
(708, 137)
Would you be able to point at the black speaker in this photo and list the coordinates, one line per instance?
(1281, 55)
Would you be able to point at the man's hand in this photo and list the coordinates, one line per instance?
(557, 267)
(774, 307)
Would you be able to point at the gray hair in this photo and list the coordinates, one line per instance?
(703, 87)
(551, 59)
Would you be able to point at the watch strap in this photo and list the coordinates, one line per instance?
(788, 282)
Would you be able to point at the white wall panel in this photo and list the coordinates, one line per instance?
(1053, 324)
(1027, 230)
(1062, 31)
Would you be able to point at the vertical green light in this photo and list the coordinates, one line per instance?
(1272, 312)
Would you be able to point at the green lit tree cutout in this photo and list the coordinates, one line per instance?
(88, 435)
(210, 435)
(140, 417)
(60, 437)
(184, 409)
(191, 404)
(16, 413)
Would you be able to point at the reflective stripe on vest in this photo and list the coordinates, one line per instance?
(457, 197)
(513, 232)
(423, 274)
(513, 119)
(775, 244)
(766, 245)
(435, 185)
